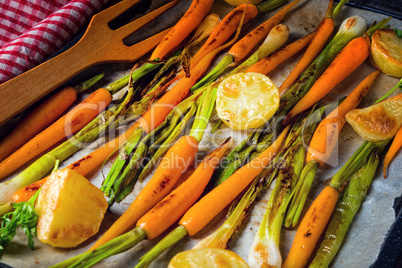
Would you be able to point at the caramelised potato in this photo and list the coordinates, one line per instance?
(386, 48)
(377, 122)
(70, 209)
(207, 257)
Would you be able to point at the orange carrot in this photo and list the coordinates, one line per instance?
(24, 194)
(351, 57)
(169, 210)
(225, 29)
(324, 31)
(37, 120)
(325, 137)
(174, 163)
(210, 205)
(395, 146)
(190, 20)
(240, 50)
(150, 120)
(67, 125)
(267, 64)
(311, 227)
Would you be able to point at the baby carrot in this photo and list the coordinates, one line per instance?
(225, 29)
(70, 123)
(267, 64)
(42, 116)
(351, 57)
(323, 32)
(162, 215)
(169, 210)
(240, 50)
(311, 227)
(216, 200)
(326, 135)
(190, 20)
(395, 146)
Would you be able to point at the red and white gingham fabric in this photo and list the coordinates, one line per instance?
(32, 30)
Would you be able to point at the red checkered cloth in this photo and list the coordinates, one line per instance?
(32, 30)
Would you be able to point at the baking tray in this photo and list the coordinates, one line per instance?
(363, 242)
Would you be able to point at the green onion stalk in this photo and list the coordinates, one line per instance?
(253, 145)
(347, 208)
(42, 166)
(140, 152)
(128, 240)
(269, 5)
(265, 247)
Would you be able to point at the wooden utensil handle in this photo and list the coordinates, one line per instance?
(27, 88)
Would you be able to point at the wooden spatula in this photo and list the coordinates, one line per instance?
(99, 45)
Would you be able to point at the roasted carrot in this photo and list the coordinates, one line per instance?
(395, 146)
(211, 204)
(240, 50)
(152, 118)
(311, 227)
(24, 194)
(163, 214)
(178, 158)
(225, 29)
(351, 57)
(322, 145)
(190, 20)
(323, 32)
(326, 135)
(216, 200)
(166, 212)
(37, 120)
(70, 123)
(42, 116)
(267, 64)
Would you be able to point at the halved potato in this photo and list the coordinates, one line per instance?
(386, 48)
(246, 100)
(70, 209)
(378, 122)
(207, 257)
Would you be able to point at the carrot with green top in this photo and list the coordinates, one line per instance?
(177, 159)
(162, 215)
(322, 145)
(190, 20)
(42, 116)
(323, 32)
(201, 213)
(347, 61)
(247, 43)
(70, 123)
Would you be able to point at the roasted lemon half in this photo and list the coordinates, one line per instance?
(207, 257)
(246, 100)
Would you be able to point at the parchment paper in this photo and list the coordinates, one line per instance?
(367, 231)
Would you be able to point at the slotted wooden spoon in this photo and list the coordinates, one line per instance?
(100, 44)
